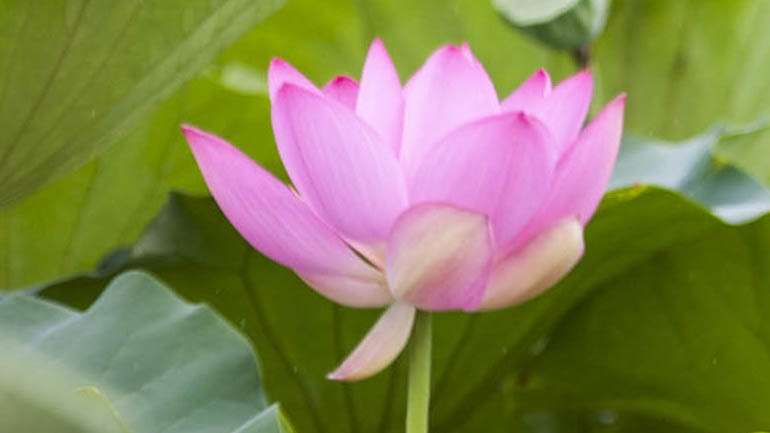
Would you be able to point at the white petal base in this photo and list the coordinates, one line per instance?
(538, 266)
(364, 291)
(380, 346)
(439, 257)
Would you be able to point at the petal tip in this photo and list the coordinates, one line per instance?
(377, 43)
(543, 74)
(188, 129)
(335, 375)
(583, 79)
(465, 49)
(529, 120)
(343, 79)
(277, 62)
(615, 108)
(522, 116)
(378, 48)
(380, 347)
(585, 73)
(454, 49)
(197, 137)
(280, 71)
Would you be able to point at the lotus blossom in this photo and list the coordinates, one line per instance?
(434, 195)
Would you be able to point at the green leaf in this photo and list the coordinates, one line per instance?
(563, 24)
(482, 361)
(139, 360)
(77, 74)
(696, 169)
(687, 65)
(107, 203)
(527, 13)
(682, 335)
(65, 406)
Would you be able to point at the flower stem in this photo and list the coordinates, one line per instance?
(418, 391)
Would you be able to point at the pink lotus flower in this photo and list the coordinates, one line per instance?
(431, 196)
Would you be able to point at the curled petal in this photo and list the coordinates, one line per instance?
(277, 223)
(339, 164)
(529, 94)
(536, 267)
(499, 166)
(450, 89)
(565, 108)
(380, 102)
(281, 72)
(439, 257)
(342, 89)
(380, 346)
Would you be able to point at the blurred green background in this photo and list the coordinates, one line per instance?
(659, 329)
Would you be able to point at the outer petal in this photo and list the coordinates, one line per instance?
(500, 166)
(343, 90)
(281, 72)
(582, 174)
(278, 224)
(531, 93)
(452, 88)
(536, 267)
(565, 109)
(380, 346)
(339, 164)
(380, 102)
(439, 257)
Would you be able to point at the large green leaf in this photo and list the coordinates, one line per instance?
(69, 225)
(687, 64)
(682, 335)
(78, 73)
(696, 169)
(483, 361)
(37, 397)
(139, 360)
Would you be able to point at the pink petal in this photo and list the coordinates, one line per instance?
(278, 224)
(380, 102)
(380, 346)
(343, 90)
(281, 72)
(340, 165)
(582, 174)
(439, 257)
(529, 94)
(500, 166)
(359, 291)
(450, 89)
(536, 267)
(565, 108)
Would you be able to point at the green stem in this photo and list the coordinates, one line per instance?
(418, 392)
